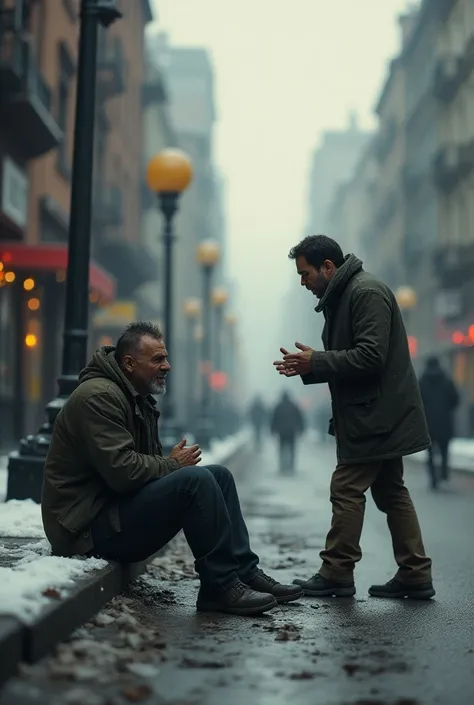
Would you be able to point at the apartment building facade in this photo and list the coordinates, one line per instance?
(34, 229)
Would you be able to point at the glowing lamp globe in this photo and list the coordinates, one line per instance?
(208, 253)
(219, 297)
(406, 297)
(192, 308)
(169, 171)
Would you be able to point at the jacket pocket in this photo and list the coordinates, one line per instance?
(365, 416)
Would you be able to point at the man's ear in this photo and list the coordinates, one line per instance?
(128, 363)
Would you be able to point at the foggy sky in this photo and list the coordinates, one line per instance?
(285, 71)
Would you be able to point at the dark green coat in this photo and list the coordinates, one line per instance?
(376, 401)
(104, 445)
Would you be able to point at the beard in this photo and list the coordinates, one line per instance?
(158, 387)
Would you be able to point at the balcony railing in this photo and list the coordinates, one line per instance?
(448, 76)
(154, 91)
(108, 207)
(110, 67)
(454, 261)
(452, 163)
(26, 98)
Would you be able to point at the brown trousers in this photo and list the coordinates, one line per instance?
(348, 487)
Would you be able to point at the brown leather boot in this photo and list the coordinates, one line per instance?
(239, 599)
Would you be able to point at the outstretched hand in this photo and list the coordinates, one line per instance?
(295, 364)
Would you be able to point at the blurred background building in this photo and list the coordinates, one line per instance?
(408, 206)
(399, 196)
(150, 96)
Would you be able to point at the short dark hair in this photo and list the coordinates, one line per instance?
(129, 341)
(317, 249)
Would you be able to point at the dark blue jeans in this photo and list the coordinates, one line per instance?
(203, 501)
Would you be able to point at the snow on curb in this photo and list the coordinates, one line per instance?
(21, 519)
(23, 586)
(222, 450)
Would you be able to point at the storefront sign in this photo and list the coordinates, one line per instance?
(14, 193)
(117, 314)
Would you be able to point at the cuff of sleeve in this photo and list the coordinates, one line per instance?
(172, 464)
(316, 359)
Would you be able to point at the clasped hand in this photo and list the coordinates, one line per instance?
(186, 455)
(294, 364)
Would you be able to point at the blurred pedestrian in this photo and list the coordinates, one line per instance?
(258, 415)
(109, 491)
(288, 424)
(440, 399)
(378, 417)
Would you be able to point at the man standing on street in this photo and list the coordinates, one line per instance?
(258, 419)
(440, 399)
(109, 491)
(377, 417)
(287, 423)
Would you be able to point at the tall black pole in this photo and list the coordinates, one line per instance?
(205, 435)
(25, 467)
(190, 373)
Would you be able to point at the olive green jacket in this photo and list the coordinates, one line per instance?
(104, 446)
(376, 402)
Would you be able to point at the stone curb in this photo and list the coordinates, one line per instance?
(21, 642)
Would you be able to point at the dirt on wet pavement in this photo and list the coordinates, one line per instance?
(151, 646)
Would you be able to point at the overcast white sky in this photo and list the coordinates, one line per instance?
(285, 71)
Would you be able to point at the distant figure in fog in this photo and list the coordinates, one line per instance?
(258, 419)
(288, 424)
(440, 399)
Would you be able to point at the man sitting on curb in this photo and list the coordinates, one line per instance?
(108, 491)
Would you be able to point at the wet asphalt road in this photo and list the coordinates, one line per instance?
(317, 651)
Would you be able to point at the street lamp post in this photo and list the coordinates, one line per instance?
(207, 255)
(25, 466)
(231, 320)
(169, 173)
(219, 299)
(192, 311)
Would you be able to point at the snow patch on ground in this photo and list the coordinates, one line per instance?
(21, 519)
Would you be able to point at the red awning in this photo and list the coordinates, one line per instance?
(52, 258)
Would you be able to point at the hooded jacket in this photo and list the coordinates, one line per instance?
(376, 402)
(104, 445)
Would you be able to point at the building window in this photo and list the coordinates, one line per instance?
(66, 74)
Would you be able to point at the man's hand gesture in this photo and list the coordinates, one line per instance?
(186, 456)
(294, 364)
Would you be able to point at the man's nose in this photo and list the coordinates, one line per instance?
(166, 366)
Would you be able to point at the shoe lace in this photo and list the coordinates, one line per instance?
(238, 589)
(268, 578)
